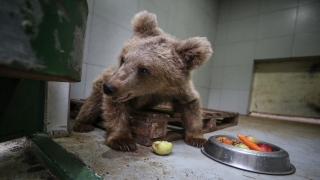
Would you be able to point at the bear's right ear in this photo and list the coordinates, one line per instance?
(145, 24)
(193, 51)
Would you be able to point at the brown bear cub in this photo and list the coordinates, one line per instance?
(154, 67)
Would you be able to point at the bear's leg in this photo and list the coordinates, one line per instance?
(116, 116)
(192, 122)
(90, 110)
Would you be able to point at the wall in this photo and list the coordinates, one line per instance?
(109, 25)
(57, 108)
(258, 29)
(293, 90)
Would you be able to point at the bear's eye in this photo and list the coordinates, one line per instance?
(143, 71)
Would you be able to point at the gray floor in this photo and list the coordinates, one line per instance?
(301, 141)
(18, 162)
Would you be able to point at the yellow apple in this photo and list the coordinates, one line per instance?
(162, 147)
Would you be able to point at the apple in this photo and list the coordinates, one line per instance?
(266, 147)
(252, 139)
(162, 147)
(241, 145)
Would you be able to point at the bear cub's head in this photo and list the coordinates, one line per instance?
(153, 62)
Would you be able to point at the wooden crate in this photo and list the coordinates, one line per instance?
(161, 123)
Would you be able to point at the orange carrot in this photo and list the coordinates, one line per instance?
(219, 139)
(249, 143)
(226, 140)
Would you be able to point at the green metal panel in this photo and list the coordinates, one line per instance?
(42, 39)
(22, 107)
(60, 162)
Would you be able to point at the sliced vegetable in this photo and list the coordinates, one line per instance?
(226, 140)
(241, 145)
(249, 143)
(252, 138)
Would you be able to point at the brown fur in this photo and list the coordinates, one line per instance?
(154, 67)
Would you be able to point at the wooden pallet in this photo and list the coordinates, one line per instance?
(161, 123)
(150, 126)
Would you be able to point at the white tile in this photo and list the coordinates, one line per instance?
(243, 29)
(237, 77)
(241, 53)
(180, 9)
(216, 77)
(87, 39)
(222, 33)
(57, 109)
(219, 55)
(152, 7)
(209, 62)
(106, 41)
(234, 100)
(209, 6)
(92, 73)
(214, 99)
(273, 5)
(177, 28)
(90, 6)
(278, 23)
(224, 10)
(119, 12)
(211, 38)
(202, 76)
(279, 47)
(306, 44)
(77, 89)
(164, 4)
(303, 2)
(308, 18)
(244, 8)
(199, 20)
(204, 95)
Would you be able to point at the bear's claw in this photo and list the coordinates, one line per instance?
(196, 142)
(123, 144)
(80, 127)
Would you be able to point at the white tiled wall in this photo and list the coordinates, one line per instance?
(57, 103)
(109, 25)
(250, 30)
(240, 31)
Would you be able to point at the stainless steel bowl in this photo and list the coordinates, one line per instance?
(276, 162)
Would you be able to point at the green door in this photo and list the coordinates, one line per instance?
(40, 41)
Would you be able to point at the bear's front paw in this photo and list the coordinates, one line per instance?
(80, 127)
(197, 142)
(122, 144)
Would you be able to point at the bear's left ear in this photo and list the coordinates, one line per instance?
(145, 24)
(193, 51)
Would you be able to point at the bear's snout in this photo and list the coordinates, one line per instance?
(109, 89)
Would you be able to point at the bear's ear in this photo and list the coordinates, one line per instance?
(193, 51)
(145, 24)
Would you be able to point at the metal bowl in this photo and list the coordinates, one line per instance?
(276, 162)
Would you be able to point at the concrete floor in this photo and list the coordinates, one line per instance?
(18, 162)
(300, 140)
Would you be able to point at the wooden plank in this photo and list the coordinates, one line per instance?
(148, 129)
(142, 140)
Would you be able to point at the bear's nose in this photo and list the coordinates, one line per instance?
(109, 89)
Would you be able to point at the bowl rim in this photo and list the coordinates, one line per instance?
(279, 149)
